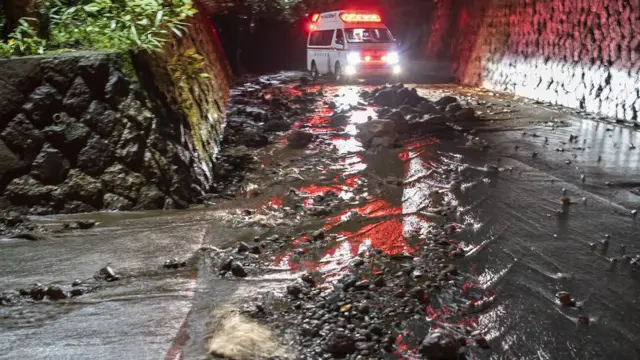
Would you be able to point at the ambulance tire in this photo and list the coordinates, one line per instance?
(314, 71)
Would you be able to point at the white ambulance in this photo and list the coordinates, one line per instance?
(350, 45)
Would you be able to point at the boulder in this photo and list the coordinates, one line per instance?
(383, 112)
(131, 148)
(440, 345)
(96, 156)
(116, 203)
(50, 167)
(150, 198)
(78, 98)
(42, 104)
(385, 97)
(371, 130)
(399, 120)
(299, 139)
(10, 166)
(95, 72)
(410, 97)
(25, 190)
(277, 125)
(11, 99)
(156, 168)
(82, 187)
(338, 119)
(23, 138)
(407, 110)
(101, 119)
(340, 345)
(60, 71)
(453, 108)
(466, 114)
(68, 135)
(76, 207)
(445, 100)
(427, 108)
(117, 88)
(254, 139)
(121, 181)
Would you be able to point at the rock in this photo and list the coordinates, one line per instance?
(583, 320)
(481, 341)
(150, 198)
(417, 293)
(383, 112)
(276, 125)
(255, 250)
(225, 265)
(362, 285)
(242, 247)
(107, 273)
(121, 181)
(101, 118)
(445, 101)
(406, 96)
(116, 203)
(68, 135)
(76, 292)
(254, 139)
(294, 290)
(174, 264)
(31, 236)
(82, 187)
(22, 138)
(427, 108)
(371, 130)
(50, 167)
(55, 293)
(27, 191)
(340, 345)
(117, 88)
(299, 139)
(565, 299)
(42, 104)
(37, 292)
(453, 108)
(95, 72)
(385, 97)
(338, 119)
(10, 166)
(440, 345)
(237, 270)
(407, 110)
(466, 114)
(401, 124)
(97, 156)
(85, 224)
(59, 71)
(379, 282)
(318, 235)
(78, 98)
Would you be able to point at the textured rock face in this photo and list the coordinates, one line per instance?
(575, 53)
(78, 135)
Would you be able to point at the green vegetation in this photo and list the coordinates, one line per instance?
(95, 25)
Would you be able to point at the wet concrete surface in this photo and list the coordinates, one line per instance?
(522, 245)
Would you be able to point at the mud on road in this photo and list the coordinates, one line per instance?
(349, 226)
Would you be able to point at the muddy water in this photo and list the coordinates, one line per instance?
(520, 251)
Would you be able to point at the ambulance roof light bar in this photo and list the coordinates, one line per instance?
(351, 17)
(315, 17)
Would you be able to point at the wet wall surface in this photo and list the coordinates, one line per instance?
(522, 245)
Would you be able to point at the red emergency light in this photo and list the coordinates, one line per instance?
(315, 17)
(356, 17)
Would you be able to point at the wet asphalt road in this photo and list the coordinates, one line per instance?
(525, 251)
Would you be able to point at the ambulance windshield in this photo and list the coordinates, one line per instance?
(369, 35)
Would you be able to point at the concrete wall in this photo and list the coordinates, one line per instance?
(583, 54)
(88, 131)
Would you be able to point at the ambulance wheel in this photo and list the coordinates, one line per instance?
(314, 71)
(337, 74)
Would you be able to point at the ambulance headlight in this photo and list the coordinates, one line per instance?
(353, 58)
(393, 58)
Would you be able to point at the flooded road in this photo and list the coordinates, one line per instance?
(522, 245)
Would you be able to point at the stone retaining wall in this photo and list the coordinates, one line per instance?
(583, 54)
(87, 131)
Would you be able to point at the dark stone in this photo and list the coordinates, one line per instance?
(466, 114)
(453, 108)
(121, 181)
(377, 129)
(385, 97)
(95, 72)
(254, 139)
(78, 98)
(294, 290)
(406, 96)
(107, 273)
(31, 236)
(308, 278)
(299, 139)
(27, 191)
(382, 113)
(55, 293)
(242, 247)
(440, 345)
(481, 341)
(132, 145)
(338, 119)
(60, 71)
(427, 108)
(407, 110)
(96, 156)
(116, 89)
(150, 198)
(237, 270)
(340, 345)
(225, 265)
(76, 292)
(21, 137)
(401, 124)
(50, 167)
(10, 166)
(42, 104)
(11, 100)
(362, 285)
(255, 250)
(156, 168)
(417, 293)
(116, 203)
(76, 207)
(276, 125)
(68, 135)
(101, 118)
(317, 235)
(348, 281)
(37, 292)
(85, 224)
(82, 187)
(445, 100)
